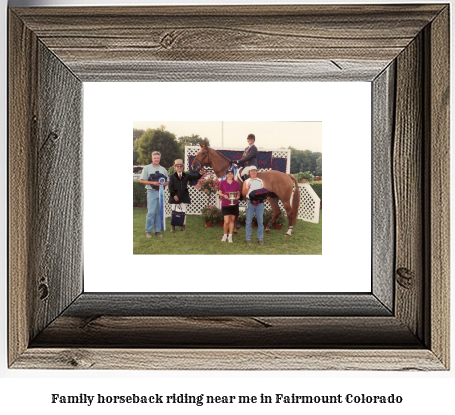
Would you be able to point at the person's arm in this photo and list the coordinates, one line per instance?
(144, 179)
(221, 191)
(150, 183)
(252, 153)
(196, 176)
(238, 191)
(246, 188)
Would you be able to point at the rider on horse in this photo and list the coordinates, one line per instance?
(249, 158)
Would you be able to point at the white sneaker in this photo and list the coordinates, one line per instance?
(224, 238)
(230, 239)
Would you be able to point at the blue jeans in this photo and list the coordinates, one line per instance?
(250, 211)
(153, 211)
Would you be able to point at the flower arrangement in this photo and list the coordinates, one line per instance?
(211, 213)
(298, 176)
(307, 175)
(209, 184)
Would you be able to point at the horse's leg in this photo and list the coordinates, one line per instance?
(288, 208)
(294, 209)
(276, 212)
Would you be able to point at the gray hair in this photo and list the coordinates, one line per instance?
(156, 153)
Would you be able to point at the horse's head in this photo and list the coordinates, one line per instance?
(202, 158)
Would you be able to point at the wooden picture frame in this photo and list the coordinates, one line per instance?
(403, 324)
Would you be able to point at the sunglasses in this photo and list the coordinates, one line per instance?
(179, 165)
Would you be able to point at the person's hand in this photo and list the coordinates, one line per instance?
(226, 196)
(165, 183)
(176, 198)
(201, 172)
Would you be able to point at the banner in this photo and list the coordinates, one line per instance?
(161, 203)
(265, 159)
(279, 164)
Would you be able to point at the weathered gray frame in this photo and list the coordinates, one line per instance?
(403, 50)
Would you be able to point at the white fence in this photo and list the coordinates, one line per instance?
(308, 208)
(309, 201)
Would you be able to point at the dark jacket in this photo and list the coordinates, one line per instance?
(250, 157)
(179, 187)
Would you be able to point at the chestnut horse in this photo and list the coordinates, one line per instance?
(279, 184)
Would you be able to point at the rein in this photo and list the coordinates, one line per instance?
(203, 158)
(222, 168)
(209, 161)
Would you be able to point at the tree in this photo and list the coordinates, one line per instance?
(300, 160)
(158, 140)
(135, 152)
(303, 160)
(319, 166)
(314, 158)
(137, 134)
(306, 162)
(192, 140)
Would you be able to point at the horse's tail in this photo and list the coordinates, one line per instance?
(295, 201)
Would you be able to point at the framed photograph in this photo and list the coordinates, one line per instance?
(402, 323)
(343, 110)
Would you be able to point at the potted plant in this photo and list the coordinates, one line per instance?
(218, 217)
(279, 221)
(208, 215)
(242, 217)
(307, 177)
(298, 176)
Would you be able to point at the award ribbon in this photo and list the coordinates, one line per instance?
(161, 180)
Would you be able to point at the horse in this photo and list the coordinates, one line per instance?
(279, 184)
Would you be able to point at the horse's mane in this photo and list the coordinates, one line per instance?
(217, 152)
(213, 152)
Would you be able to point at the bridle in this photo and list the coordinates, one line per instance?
(203, 158)
(215, 171)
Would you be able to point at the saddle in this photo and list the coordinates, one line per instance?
(238, 177)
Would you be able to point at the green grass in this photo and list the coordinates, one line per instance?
(306, 239)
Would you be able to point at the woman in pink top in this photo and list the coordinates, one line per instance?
(229, 211)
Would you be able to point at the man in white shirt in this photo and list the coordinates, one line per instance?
(153, 209)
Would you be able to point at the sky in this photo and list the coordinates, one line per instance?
(303, 135)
